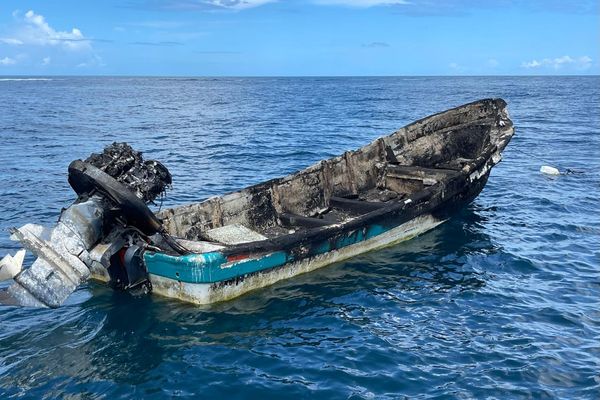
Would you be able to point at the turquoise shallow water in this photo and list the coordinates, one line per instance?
(502, 301)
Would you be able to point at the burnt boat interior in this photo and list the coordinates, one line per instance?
(334, 191)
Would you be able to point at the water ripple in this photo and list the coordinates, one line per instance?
(499, 302)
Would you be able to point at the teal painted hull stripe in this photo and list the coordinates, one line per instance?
(208, 267)
(213, 267)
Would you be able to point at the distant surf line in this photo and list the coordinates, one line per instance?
(25, 79)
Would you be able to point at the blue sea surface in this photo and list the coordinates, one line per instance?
(502, 301)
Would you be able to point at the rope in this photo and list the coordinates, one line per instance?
(162, 198)
(567, 171)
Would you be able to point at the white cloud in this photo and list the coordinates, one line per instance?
(93, 61)
(361, 3)
(245, 4)
(208, 4)
(492, 62)
(531, 64)
(39, 44)
(585, 62)
(374, 45)
(11, 41)
(7, 61)
(581, 63)
(238, 4)
(32, 29)
(456, 68)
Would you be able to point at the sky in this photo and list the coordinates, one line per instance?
(300, 38)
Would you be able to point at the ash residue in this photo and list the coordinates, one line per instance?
(147, 179)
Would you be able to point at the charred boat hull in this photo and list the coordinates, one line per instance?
(393, 189)
(233, 270)
(273, 267)
(213, 277)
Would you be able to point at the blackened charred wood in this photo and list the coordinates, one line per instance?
(421, 172)
(295, 220)
(355, 206)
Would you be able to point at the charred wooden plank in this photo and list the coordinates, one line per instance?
(357, 206)
(420, 172)
(295, 220)
(456, 165)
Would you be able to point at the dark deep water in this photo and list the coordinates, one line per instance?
(502, 301)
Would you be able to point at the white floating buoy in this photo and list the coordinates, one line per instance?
(10, 266)
(545, 169)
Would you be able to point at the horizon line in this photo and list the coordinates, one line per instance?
(294, 76)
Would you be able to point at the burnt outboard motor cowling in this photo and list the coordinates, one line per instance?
(103, 233)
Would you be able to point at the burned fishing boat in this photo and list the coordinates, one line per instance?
(390, 190)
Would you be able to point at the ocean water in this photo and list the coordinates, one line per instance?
(502, 301)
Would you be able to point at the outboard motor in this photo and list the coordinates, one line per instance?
(103, 233)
